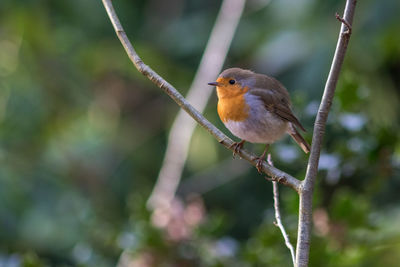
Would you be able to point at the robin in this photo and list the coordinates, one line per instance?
(256, 108)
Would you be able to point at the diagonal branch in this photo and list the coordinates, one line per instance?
(199, 92)
(306, 193)
(275, 173)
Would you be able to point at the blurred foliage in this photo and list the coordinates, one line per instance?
(83, 134)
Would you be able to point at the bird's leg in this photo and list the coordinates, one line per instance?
(261, 159)
(236, 147)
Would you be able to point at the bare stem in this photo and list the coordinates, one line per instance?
(307, 188)
(184, 104)
(278, 220)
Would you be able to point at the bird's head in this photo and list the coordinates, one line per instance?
(233, 82)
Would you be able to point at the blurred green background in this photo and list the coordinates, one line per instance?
(82, 135)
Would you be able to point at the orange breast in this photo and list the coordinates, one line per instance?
(233, 108)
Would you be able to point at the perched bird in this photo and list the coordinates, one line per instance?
(256, 108)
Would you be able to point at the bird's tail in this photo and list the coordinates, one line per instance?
(298, 138)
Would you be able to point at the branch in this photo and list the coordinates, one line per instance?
(279, 224)
(184, 104)
(306, 192)
(183, 127)
(278, 221)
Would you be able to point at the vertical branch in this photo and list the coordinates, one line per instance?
(183, 127)
(278, 220)
(306, 192)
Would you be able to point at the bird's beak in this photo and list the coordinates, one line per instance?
(213, 84)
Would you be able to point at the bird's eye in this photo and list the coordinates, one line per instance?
(232, 81)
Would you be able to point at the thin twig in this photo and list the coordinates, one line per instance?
(342, 20)
(184, 104)
(307, 188)
(199, 92)
(278, 220)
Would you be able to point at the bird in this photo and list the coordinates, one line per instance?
(256, 108)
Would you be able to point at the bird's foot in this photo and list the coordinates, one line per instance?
(260, 161)
(236, 147)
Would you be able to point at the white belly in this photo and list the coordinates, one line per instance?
(261, 127)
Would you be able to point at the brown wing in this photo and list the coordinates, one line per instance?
(298, 138)
(278, 103)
